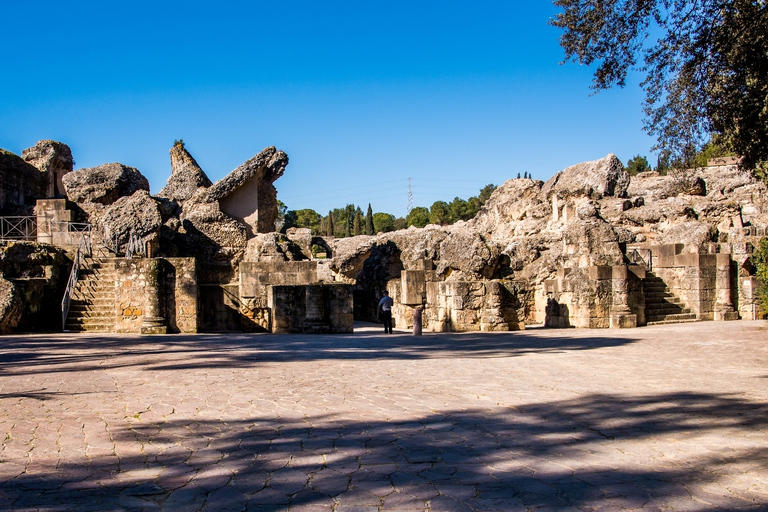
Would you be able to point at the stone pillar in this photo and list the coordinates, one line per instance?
(154, 322)
(621, 314)
(52, 214)
(417, 321)
(723, 306)
(315, 321)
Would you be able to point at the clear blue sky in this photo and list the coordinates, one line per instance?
(361, 95)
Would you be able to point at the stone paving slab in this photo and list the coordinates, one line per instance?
(662, 418)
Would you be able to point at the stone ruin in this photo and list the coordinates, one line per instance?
(591, 247)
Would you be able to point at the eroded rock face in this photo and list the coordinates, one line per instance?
(104, 184)
(258, 173)
(54, 160)
(186, 176)
(33, 279)
(138, 214)
(604, 177)
(11, 307)
(19, 181)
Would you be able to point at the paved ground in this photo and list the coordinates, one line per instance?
(657, 418)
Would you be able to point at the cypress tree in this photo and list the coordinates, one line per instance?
(369, 221)
(357, 224)
(329, 225)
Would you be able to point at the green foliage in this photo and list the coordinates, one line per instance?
(418, 216)
(705, 63)
(400, 223)
(717, 147)
(179, 142)
(759, 260)
(330, 227)
(383, 222)
(357, 224)
(280, 223)
(636, 165)
(369, 221)
(440, 213)
(486, 191)
(305, 218)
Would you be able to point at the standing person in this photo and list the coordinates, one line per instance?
(386, 312)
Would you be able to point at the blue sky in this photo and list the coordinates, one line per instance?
(361, 95)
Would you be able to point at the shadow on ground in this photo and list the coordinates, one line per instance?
(58, 353)
(594, 452)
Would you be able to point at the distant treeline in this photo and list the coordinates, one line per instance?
(350, 220)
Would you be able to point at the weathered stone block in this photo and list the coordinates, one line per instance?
(600, 272)
(413, 286)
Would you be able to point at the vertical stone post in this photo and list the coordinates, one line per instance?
(621, 314)
(153, 322)
(723, 306)
(417, 321)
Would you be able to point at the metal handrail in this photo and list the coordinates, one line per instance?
(135, 246)
(18, 228)
(83, 249)
(645, 259)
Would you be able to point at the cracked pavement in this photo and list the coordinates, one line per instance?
(663, 418)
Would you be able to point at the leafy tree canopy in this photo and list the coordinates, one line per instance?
(636, 165)
(440, 213)
(383, 222)
(705, 65)
(418, 216)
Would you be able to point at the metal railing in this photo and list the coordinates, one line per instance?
(83, 250)
(641, 257)
(18, 228)
(135, 246)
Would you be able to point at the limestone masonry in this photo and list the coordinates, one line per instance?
(591, 247)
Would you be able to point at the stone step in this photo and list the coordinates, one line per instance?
(663, 305)
(90, 328)
(91, 306)
(95, 287)
(82, 315)
(662, 300)
(665, 322)
(86, 322)
(93, 297)
(668, 319)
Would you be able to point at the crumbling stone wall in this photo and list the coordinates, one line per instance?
(178, 293)
(311, 309)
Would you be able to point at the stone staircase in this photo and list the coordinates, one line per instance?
(661, 305)
(93, 300)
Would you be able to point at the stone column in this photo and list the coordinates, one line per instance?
(621, 314)
(153, 322)
(723, 307)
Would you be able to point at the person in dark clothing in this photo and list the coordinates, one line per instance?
(385, 304)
